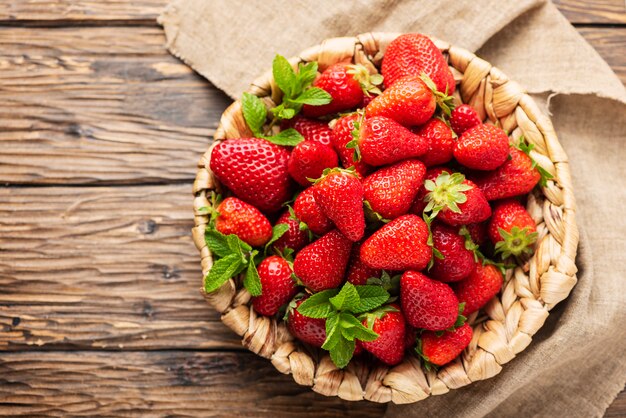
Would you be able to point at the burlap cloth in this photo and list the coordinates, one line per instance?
(576, 364)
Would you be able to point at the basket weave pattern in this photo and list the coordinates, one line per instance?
(506, 324)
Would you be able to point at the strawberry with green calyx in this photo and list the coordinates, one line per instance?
(310, 129)
(464, 117)
(340, 195)
(479, 287)
(512, 229)
(419, 203)
(382, 141)
(471, 244)
(342, 135)
(234, 216)
(455, 200)
(445, 102)
(277, 284)
(340, 308)
(255, 170)
(308, 330)
(457, 262)
(310, 214)
(401, 244)
(391, 190)
(427, 303)
(358, 272)
(321, 265)
(388, 322)
(440, 140)
(308, 160)
(483, 147)
(437, 350)
(292, 236)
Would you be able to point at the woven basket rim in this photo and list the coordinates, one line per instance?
(507, 323)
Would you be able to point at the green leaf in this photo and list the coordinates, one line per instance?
(289, 137)
(222, 270)
(352, 328)
(342, 352)
(306, 75)
(347, 298)
(288, 113)
(333, 331)
(217, 242)
(371, 297)
(252, 281)
(254, 112)
(236, 245)
(318, 305)
(277, 231)
(314, 97)
(284, 76)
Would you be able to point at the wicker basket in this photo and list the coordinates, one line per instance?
(507, 323)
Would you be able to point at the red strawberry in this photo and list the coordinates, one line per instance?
(390, 326)
(358, 271)
(460, 201)
(409, 101)
(419, 203)
(414, 54)
(309, 330)
(277, 284)
(479, 287)
(463, 118)
(244, 220)
(390, 191)
(312, 130)
(515, 177)
(402, 244)
(478, 232)
(308, 161)
(345, 83)
(427, 303)
(255, 170)
(410, 338)
(341, 136)
(340, 195)
(483, 147)
(384, 141)
(310, 213)
(294, 238)
(512, 229)
(458, 262)
(440, 142)
(321, 264)
(442, 349)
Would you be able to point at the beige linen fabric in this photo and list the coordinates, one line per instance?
(576, 364)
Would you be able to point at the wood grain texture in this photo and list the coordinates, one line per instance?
(596, 11)
(93, 268)
(611, 45)
(618, 407)
(184, 384)
(100, 105)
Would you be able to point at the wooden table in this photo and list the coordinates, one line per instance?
(99, 305)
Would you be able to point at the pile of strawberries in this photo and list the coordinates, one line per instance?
(368, 212)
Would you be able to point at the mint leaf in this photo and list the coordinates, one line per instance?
(352, 328)
(236, 245)
(371, 297)
(347, 298)
(217, 242)
(284, 76)
(277, 231)
(318, 305)
(222, 270)
(306, 76)
(314, 97)
(252, 281)
(289, 137)
(254, 112)
(333, 331)
(342, 352)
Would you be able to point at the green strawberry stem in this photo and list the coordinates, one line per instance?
(445, 192)
(517, 242)
(444, 101)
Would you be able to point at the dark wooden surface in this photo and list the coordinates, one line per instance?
(100, 130)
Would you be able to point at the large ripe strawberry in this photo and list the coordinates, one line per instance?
(512, 229)
(310, 213)
(401, 244)
(414, 54)
(390, 191)
(456, 200)
(255, 170)
(358, 271)
(384, 141)
(346, 84)
(516, 177)
(308, 161)
(463, 118)
(311, 129)
(457, 262)
(341, 136)
(483, 147)
(277, 284)
(479, 287)
(322, 264)
(340, 195)
(419, 203)
(295, 238)
(247, 222)
(390, 326)
(427, 303)
(440, 142)
(409, 101)
(309, 330)
(440, 349)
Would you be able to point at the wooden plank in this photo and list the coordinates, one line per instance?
(93, 268)
(618, 407)
(100, 105)
(160, 384)
(610, 44)
(596, 11)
